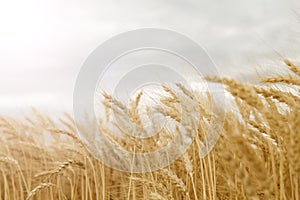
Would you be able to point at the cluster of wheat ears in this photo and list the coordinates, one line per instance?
(256, 157)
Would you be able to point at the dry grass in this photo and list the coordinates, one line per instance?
(256, 157)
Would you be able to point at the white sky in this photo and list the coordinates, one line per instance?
(44, 43)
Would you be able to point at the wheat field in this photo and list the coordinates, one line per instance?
(256, 157)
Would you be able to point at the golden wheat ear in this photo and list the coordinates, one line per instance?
(292, 67)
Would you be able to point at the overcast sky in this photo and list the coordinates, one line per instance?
(44, 43)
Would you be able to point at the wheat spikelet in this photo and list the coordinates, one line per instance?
(61, 167)
(185, 90)
(133, 111)
(9, 160)
(246, 92)
(294, 140)
(292, 67)
(189, 168)
(38, 188)
(176, 180)
(70, 125)
(70, 134)
(282, 79)
(156, 196)
(281, 96)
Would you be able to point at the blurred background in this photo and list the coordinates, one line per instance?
(44, 43)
